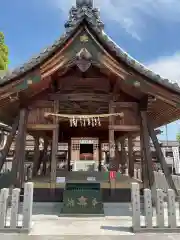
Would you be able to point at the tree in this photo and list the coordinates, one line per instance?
(178, 137)
(3, 53)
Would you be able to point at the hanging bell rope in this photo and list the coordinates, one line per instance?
(84, 120)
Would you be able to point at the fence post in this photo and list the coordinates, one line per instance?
(148, 208)
(14, 208)
(4, 193)
(171, 209)
(27, 205)
(135, 199)
(160, 208)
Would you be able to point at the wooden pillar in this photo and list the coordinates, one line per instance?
(69, 155)
(148, 164)
(100, 157)
(4, 152)
(111, 136)
(54, 150)
(145, 141)
(20, 146)
(161, 158)
(112, 164)
(144, 167)
(36, 155)
(130, 157)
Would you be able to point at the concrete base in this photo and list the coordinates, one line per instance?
(117, 221)
(156, 230)
(15, 230)
(82, 215)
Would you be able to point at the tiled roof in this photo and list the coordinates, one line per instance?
(86, 11)
(34, 61)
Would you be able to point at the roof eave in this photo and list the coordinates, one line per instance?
(121, 55)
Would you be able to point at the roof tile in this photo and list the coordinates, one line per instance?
(76, 15)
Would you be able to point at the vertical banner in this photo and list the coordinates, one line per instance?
(112, 175)
(175, 151)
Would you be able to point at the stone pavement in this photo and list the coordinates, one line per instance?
(47, 221)
(92, 237)
(47, 224)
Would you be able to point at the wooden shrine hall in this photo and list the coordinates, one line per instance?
(85, 91)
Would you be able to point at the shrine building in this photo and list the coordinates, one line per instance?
(89, 98)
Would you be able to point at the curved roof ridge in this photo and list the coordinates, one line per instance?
(141, 68)
(92, 15)
(34, 61)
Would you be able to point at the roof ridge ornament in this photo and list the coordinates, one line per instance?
(84, 10)
(82, 3)
(83, 59)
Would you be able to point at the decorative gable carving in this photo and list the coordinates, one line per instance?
(84, 10)
(83, 59)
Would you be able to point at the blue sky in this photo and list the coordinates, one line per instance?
(147, 29)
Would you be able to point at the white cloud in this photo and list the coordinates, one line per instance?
(131, 14)
(167, 67)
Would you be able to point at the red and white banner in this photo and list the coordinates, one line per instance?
(112, 175)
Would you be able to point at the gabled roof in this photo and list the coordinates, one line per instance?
(84, 11)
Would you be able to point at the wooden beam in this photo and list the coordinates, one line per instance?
(160, 92)
(80, 97)
(10, 138)
(133, 105)
(41, 104)
(125, 128)
(161, 158)
(138, 133)
(31, 127)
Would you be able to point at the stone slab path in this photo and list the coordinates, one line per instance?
(94, 237)
(117, 222)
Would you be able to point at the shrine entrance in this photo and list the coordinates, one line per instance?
(86, 151)
(86, 92)
(85, 154)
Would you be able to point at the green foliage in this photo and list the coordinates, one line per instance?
(3, 53)
(178, 137)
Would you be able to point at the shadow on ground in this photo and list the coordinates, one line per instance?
(114, 228)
